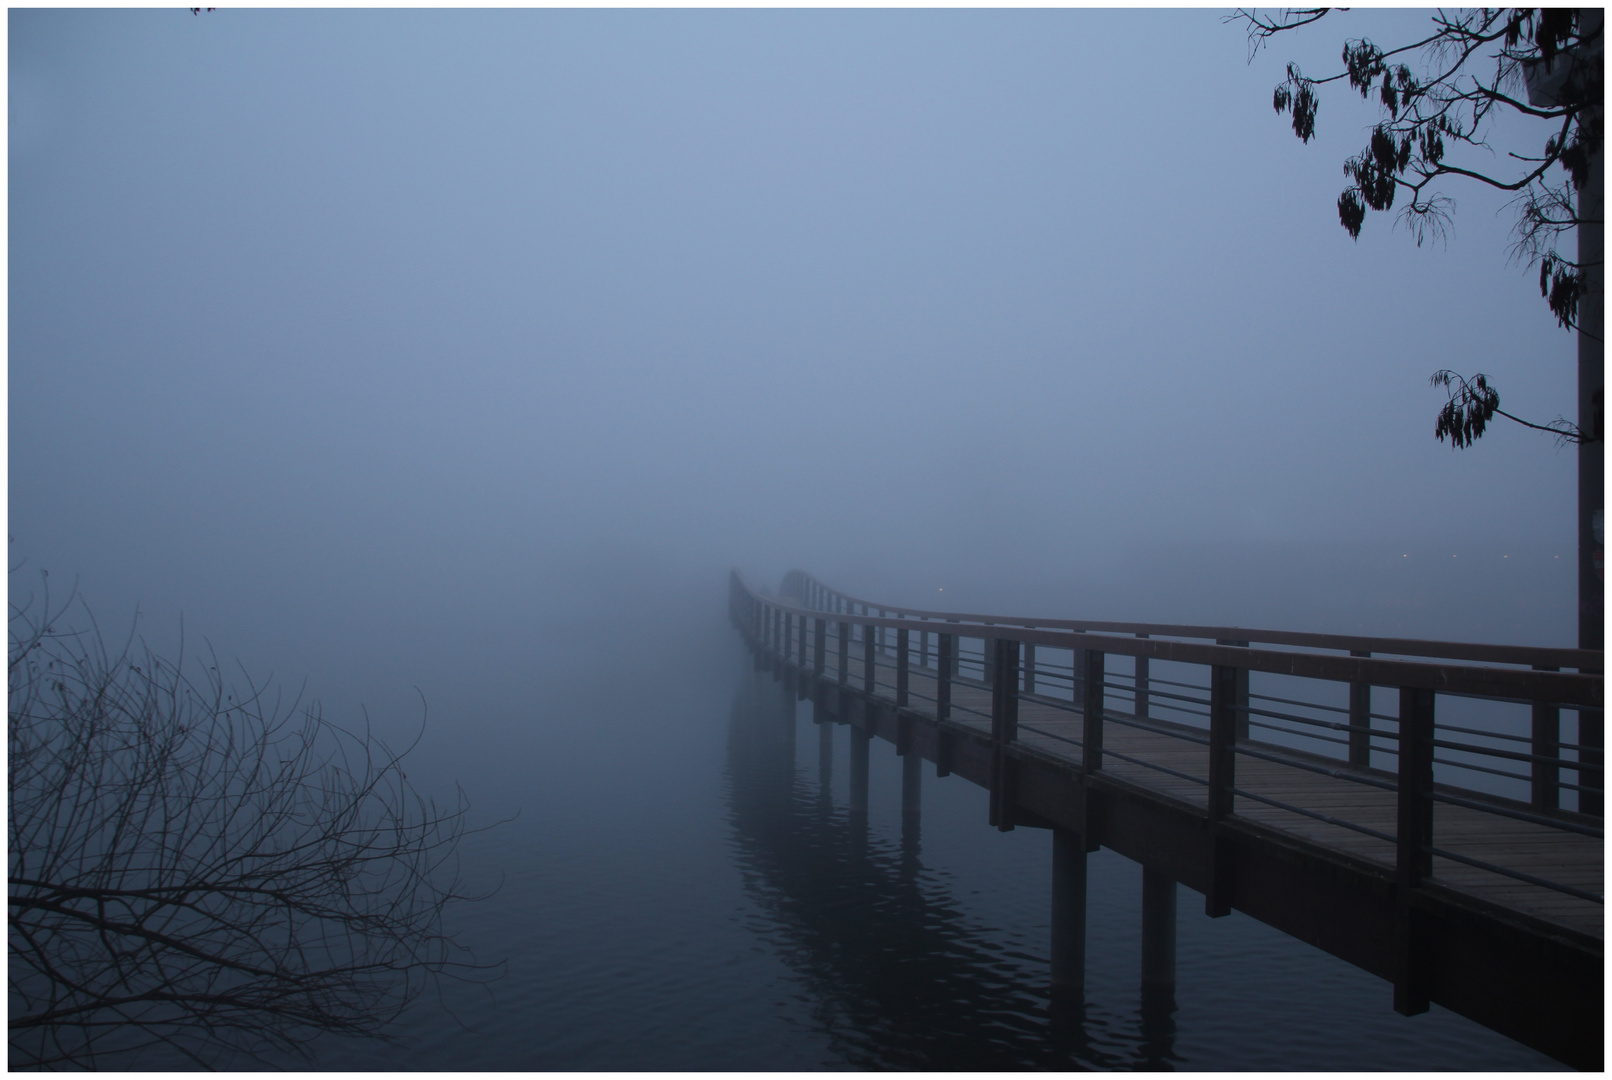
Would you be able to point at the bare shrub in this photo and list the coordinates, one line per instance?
(202, 868)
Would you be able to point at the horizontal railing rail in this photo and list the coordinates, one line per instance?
(1563, 688)
(1589, 660)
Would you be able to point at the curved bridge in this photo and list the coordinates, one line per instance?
(1452, 846)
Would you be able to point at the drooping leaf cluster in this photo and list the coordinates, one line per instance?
(1469, 410)
(1436, 121)
(1473, 403)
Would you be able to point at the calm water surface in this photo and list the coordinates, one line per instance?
(680, 891)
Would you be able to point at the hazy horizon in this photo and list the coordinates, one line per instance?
(406, 348)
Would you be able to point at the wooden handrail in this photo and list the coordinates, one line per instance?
(1522, 655)
(1561, 688)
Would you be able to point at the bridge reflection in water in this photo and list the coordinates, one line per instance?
(905, 964)
(900, 975)
(1491, 906)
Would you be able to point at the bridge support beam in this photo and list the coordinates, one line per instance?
(786, 729)
(859, 770)
(825, 756)
(1158, 933)
(912, 778)
(1068, 914)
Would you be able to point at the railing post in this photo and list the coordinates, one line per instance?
(1592, 754)
(1005, 690)
(1091, 706)
(1415, 856)
(1077, 673)
(1223, 687)
(987, 661)
(819, 643)
(923, 649)
(1004, 654)
(1241, 694)
(789, 627)
(1029, 667)
(869, 663)
(1139, 693)
(845, 653)
(1360, 720)
(1414, 861)
(902, 657)
(1546, 748)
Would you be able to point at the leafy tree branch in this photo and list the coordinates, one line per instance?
(1437, 115)
(1473, 63)
(1474, 403)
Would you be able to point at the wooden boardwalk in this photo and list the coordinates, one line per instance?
(1496, 912)
(1569, 858)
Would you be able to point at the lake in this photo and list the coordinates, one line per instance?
(679, 891)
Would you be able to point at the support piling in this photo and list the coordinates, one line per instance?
(1068, 914)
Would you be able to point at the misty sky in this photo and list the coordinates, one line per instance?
(363, 333)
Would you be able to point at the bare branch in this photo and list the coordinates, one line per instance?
(201, 868)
